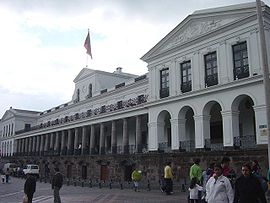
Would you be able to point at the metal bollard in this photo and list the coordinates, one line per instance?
(148, 185)
(82, 183)
(110, 184)
(67, 182)
(90, 183)
(99, 184)
(121, 185)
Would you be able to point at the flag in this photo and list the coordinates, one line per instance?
(87, 45)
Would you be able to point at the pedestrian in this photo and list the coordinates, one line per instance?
(227, 170)
(255, 170)
(196, 171)
(30, 187)
(206, 174)
(3, 177)
(255, 167)
(57, 183)
(7, 175)
(136, 177)
(194, 189)
(47, 171)
(168, 178)
(218, 187)
(248, 188)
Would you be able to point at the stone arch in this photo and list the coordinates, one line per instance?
(164, 130)
(186, 128)
(245, 137)
(214, 125)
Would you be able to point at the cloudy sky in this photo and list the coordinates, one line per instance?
(41, 42)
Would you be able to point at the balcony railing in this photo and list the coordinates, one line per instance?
(186, 87)
(188, 145)
(245, 142)
(164, 92)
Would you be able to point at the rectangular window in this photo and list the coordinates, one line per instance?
(211, 74)
(240, 61)
(27, 126)
(164, 83)
(119, 105)
(185, 76)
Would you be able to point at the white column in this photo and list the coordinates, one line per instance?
(230, 124)
(175, 134)
(253, 54)
(173, 76)
(182, 129)
(223, 76)
(202, 129)
(195, 72)
(153, 136)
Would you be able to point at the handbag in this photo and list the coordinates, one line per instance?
(25, 199)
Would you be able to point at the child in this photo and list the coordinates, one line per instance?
(194, 189)
(3, 177)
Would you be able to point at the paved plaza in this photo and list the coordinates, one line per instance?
(13, 193)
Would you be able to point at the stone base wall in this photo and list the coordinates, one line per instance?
(118, 167)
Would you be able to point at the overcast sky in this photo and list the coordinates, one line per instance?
(41, 42)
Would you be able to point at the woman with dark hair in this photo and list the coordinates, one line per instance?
(218, 187)
(248, 188)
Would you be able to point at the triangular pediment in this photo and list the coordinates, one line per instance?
(83, 73)
(8, 114)
(201, 24)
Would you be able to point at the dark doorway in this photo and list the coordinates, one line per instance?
(104, 172)
(216, 132)
(84, 172)
(128, 172)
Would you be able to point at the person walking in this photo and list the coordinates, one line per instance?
(227, 170)
(136, 177)
(30, 186)
(57, 182)
(196, 171)
(7, 175)
(218, 188)
(194, 189)
(248, 188)
(168, 178)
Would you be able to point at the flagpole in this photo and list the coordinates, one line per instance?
(87, 45)
(86, 61)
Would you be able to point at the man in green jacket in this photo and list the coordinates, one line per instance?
(136, 177)
(196, 171)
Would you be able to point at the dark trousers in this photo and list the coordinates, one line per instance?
(56, 195)
(168, 185)
(30, 197)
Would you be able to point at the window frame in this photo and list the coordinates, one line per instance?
(212, 78)
(241, 71)
(164, 82)
(186, 85)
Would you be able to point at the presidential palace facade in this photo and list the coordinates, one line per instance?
(202, 96)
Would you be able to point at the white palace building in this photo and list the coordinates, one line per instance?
(202, 96)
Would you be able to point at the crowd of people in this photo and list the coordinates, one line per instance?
(219, 184)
